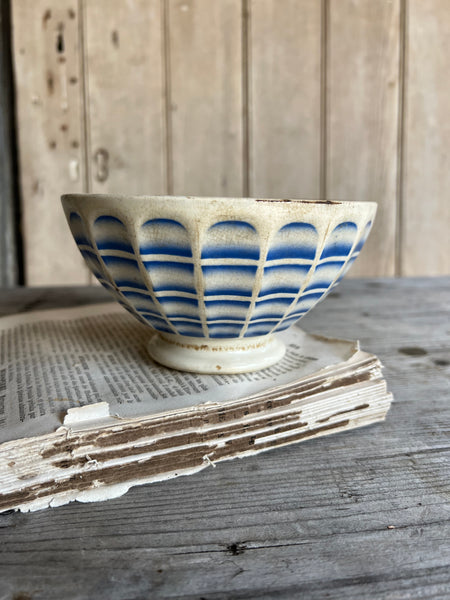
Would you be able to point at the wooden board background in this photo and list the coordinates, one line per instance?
(336, 99)
(52, 145)
(9, 263)
(425, 219)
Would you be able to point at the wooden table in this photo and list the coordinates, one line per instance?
(363, 514)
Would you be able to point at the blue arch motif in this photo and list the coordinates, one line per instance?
(166, 255)
(229, 259)
(79, 230)
(294, 240)
(87, 248)
(164, 236)
(116, 252)
(288, 263)
(231, 239)
(340, 242)
(337, 251)
(111, 234)
(357, 249)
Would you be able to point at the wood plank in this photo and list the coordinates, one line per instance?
(16, 300)
(205, 52)
(284, 98)
(425, 239)
(311, 521)
(9, 201)
(50, 131)
(125, 83)
(362, 118)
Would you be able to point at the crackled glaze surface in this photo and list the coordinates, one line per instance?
(214, 268)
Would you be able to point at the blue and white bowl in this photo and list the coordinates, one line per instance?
(215, 278)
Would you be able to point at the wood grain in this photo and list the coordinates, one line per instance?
(425, 239)
(233, 97)
(204, 45)
(50, 130)
(357, 516)
(284, 98)
(125, 90)
(9, 201)
(362, 118)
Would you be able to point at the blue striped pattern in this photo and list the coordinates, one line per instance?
(294, 240)
(166, 254)
(356, 251)
(154, 274)
(87, 247)
(110, 234)
(229, 262)
(335, 254)
(289, 261)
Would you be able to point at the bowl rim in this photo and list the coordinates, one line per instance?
(182, 199)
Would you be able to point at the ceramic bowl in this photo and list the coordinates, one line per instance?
(215, 278)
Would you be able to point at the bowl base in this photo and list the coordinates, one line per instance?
(219, 356)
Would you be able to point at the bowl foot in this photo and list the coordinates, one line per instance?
(215, 356)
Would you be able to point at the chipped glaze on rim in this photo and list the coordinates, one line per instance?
(227, 199)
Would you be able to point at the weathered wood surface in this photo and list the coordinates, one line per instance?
(362, 76)
(359, 515)
(284, 59)
(425, 209)
(9, 201)
(284, 98)
(125, 89)
(50, 109)
(204, 97)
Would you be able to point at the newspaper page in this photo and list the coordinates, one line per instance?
(56, 360)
